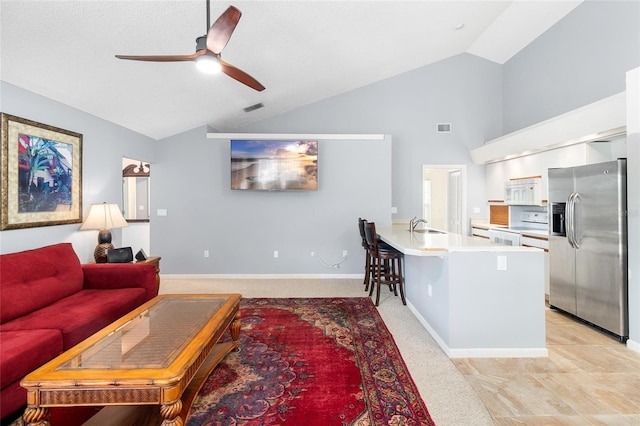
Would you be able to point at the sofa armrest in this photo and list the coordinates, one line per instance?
(121, 275)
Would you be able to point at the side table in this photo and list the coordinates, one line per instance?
(153, 260)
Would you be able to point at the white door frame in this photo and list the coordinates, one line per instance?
(462, 168)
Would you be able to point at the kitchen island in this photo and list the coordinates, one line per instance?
(476, 298)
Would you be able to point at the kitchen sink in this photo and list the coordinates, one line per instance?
(428, 231)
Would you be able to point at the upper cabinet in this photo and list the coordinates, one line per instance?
(538, 164)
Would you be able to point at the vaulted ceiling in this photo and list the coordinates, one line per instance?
(301, 51)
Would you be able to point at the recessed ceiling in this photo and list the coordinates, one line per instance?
(302, 51)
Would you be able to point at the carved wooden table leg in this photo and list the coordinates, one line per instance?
(235, 330)
(36, 416)
(171, 414)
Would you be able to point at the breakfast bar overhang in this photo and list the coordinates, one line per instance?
(476, 298)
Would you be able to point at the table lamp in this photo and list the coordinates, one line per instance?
(103, 217)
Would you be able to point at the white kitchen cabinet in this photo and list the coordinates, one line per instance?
(480, 231)
(538, 164)
(534, 241)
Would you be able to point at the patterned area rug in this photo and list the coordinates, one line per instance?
(311, 362)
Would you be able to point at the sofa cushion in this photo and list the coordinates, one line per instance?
(14, 398)
(33, 279)
(81, 314)
(24, 351)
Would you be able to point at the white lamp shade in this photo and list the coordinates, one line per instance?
(104, 216)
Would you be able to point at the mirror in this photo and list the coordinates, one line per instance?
(135, 190)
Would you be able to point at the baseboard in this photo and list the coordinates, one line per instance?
(478, 352)
(499, 353)
(259, 276)
(633, 345)
(431, 331)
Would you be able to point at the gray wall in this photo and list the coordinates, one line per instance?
(104, 145)
(463, 90)
(357, 178)
(242, 229)
(581, 59)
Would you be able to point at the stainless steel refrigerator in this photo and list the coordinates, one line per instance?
(588, 244)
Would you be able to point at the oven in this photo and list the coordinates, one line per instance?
(505, 238)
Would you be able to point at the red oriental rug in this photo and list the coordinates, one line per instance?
(311, 362)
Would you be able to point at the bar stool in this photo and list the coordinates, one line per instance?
(368, 265)
(386, 265)
(367, 255)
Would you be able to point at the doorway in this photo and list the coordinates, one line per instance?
(444, 197)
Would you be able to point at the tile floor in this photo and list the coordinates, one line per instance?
(589, 378)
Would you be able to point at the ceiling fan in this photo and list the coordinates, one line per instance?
(208, 49)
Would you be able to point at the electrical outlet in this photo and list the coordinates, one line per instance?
(206, 253)
(344, 253)
(275, 253)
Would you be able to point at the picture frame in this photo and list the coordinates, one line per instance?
(41, 168)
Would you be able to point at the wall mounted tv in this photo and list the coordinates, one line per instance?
(274, 165)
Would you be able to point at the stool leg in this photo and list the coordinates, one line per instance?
(367, 270)
(378, 280)
(401, 281)
(374, 273)
(393, 280)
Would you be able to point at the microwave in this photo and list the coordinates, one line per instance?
(523, 191)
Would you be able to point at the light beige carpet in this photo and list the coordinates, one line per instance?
(448, 396)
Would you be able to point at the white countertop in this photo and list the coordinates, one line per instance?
(423, 244)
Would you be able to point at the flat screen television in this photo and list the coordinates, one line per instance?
(274, 165)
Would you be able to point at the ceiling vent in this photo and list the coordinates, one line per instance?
(444, 127)
(253, 107)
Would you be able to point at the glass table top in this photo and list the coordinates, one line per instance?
(152, 339)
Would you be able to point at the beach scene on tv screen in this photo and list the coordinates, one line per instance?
(273, 165)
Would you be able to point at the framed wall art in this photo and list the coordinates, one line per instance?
(41, 174)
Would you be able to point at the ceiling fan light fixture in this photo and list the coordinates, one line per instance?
(208, 64)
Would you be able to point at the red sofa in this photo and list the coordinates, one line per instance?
(49, 302)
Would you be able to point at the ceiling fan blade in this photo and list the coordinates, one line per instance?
(220, 32)
(241, 76)
(161, 58)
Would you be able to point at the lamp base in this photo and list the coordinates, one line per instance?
(100, 253)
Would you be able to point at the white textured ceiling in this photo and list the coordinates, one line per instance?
(301, 51)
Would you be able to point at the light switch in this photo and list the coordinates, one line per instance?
(162, 212)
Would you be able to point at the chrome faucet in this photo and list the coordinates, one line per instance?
(415, 222)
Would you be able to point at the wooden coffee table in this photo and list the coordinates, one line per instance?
(157, 355)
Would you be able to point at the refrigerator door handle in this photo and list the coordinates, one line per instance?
(569, 220)
(576, 199)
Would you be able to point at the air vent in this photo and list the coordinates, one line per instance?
(444, 127)
(253, 107)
